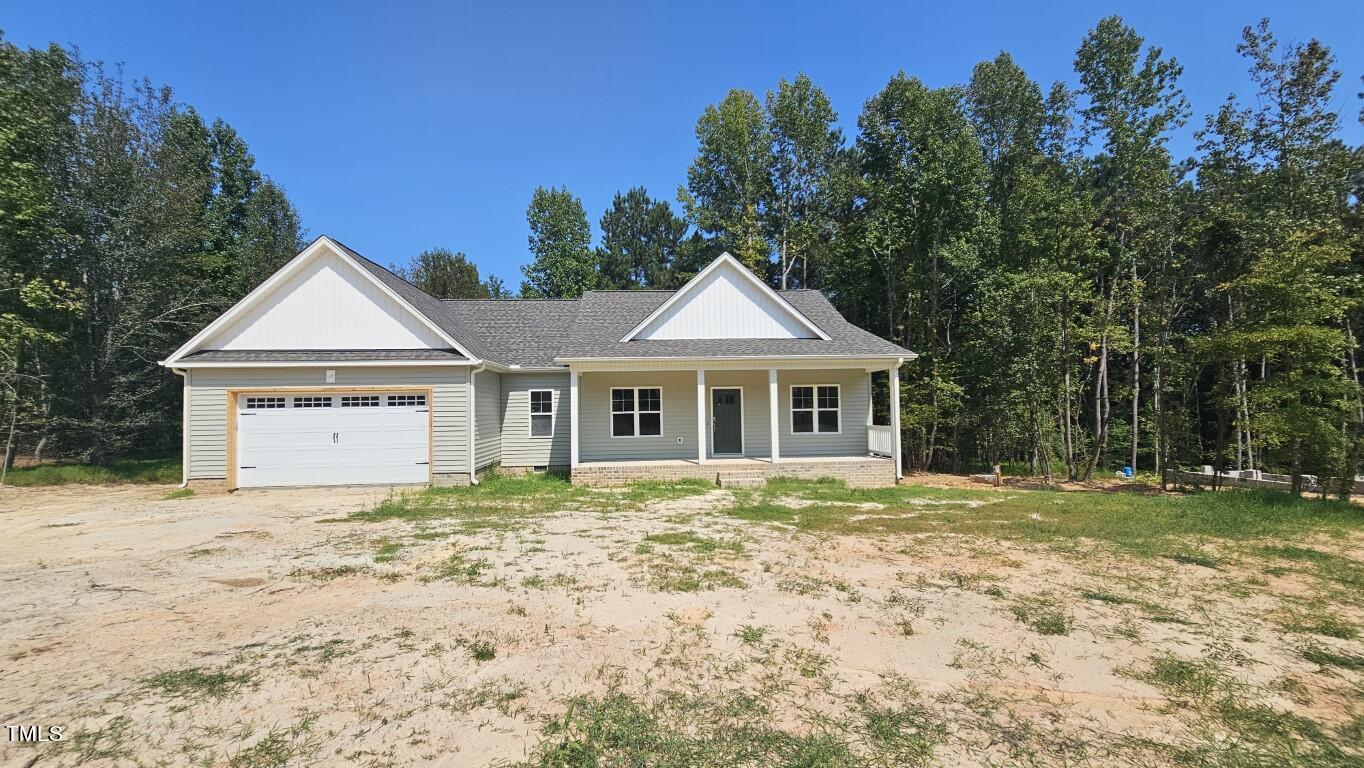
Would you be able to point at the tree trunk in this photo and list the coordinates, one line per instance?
(1136, 368)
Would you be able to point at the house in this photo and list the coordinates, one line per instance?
(335, 371)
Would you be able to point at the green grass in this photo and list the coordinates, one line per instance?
(1156, 526)
(179, 493)
(1328, 658)
(503, 501)
(197, 682)
(150, 471)
(1042, 615)
(694, 542)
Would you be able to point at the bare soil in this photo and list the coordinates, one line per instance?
(343, 643)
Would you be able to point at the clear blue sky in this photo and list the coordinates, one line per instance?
(400, 126)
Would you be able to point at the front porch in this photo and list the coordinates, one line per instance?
(733, 422)
(856, 471)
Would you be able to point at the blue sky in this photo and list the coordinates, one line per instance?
(401, 126)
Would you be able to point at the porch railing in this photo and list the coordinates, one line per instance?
(881, 439)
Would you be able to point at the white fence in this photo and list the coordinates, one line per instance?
(881, 439)
(1254, 478)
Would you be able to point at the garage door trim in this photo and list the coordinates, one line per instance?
(232, 415)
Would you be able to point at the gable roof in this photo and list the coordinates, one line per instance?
(544, 333)
(408, 296)
(744, 278)
(606, 317)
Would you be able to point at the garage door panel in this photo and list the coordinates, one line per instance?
(279, 444)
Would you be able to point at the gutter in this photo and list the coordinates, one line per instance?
(184, 427)
(471, 419)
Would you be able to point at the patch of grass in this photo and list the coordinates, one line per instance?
(670, 574)
(502, 501)
(331, 572)
(1102, 596)
(695, 542)
(461, 569)
(179, 493)
(279, 747)
(1324, 625)
(1194, 557)
(1326, 657)
(1042, 615)
(151, 471)
(1150, 526)
(387, 551)
(198, 682)
(482, 650)
(750, 635)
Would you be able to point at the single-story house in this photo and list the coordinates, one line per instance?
(336, 371)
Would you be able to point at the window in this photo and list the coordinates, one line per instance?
(814, 409)
(541, 413)
(359, 401)
(406, 401)
(636, 412)
(257, 403)
(312, 402)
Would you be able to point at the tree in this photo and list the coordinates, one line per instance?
(806, 146)
(728, 181)
(640, 240)
(445, 275)
(561, 241)
(923, 212)
(1131, 105)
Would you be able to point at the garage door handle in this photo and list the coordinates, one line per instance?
(423, 462)
(336, 437)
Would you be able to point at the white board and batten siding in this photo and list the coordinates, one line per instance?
(519, 449)
(723, 304)
(208, 414)
(487, 418)
(328, 304)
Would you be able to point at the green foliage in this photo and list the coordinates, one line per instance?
(446, 275)
(151, 471)
(640, 241)
(560, 241)
(728, 181)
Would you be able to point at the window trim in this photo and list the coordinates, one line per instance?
(611, 414)
(530, 414)
(814, 410)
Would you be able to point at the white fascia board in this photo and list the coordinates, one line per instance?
(296, 263)
(725, 258)
(317, 363)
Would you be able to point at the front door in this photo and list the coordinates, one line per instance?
(726, 422)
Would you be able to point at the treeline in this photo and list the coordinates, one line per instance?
(1080, 298)
(127, 223)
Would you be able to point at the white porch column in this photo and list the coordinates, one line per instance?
(700, 416)
(895, 419)
(772, 414)
(573, 418)
(871, 389)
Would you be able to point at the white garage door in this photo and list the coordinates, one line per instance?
(317, 438)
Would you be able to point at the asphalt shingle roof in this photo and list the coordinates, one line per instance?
(536, 332)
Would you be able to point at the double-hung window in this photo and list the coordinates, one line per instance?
(636, 411)
(814, 408)
(541, 413)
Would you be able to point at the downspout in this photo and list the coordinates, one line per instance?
(184, 373)
(473, 456)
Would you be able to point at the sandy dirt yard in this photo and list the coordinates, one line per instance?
(264, 628)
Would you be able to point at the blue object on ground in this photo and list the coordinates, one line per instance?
(1127, 472)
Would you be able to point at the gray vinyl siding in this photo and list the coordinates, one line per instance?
(519, 449)
(852, 416)
(679, 414)
(679, 417)
(487, 418)
(208, 407)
